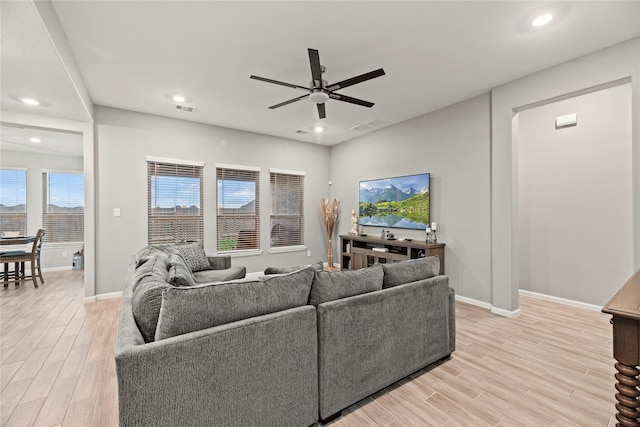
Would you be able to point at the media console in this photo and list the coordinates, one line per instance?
(363, 251)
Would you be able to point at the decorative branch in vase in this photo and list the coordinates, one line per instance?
(329, 211)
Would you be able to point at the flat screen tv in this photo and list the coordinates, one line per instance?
(400, 202)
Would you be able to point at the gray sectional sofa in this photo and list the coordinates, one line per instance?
(276, 350)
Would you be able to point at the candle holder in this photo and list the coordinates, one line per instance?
(431, 237)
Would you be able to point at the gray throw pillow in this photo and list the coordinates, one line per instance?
(146, 302)
(333, 285)
(318, 266)
(194, 255)
(399, 273)
(148, 252)
(204, 306)
(182, 274)
(178, 276)
(151, 265)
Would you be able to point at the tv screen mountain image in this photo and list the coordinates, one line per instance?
(399, 202)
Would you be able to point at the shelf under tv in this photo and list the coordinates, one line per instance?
(357, 251)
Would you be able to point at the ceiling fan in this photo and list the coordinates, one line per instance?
(319, 91)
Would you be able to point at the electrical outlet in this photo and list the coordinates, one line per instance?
(64, 254)
(309, 253)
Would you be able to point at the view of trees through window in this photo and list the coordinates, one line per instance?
(63, 206)
(13, 201)
(175, 210)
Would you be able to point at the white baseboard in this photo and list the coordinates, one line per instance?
(505, 313)
(559, 300)
(475, 302)
(103, 296)
(489, 306)
(44, 270)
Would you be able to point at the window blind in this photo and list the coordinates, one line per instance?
(13, 201)
(174, 193)
(238, 209)
(63, 206)
(287, 209)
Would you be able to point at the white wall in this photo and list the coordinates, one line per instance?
(53, 254)
(574, 192)
(619, 62)
(124, 138)
(451, 144)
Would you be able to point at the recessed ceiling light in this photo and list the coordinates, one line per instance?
(542, 20)
(179, 98)
(35, 140)
(30, 101)
(319, 129)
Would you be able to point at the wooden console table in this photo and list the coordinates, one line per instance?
(625, 309)
(360, 251)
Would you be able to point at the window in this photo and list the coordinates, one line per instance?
(63, 206)
(13, 200)
(174, 191)
(287, 208)
(238, 213)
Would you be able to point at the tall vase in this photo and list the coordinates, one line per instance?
(330, 255)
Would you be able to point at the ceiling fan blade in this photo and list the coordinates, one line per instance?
(350, 100)
(358, 79)
(263, 79)
(316, 69)
(321, 111)
(291, 101)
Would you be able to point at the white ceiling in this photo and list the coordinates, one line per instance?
(136, 54)
(18, 138)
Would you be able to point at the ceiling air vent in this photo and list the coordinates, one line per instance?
(303, 132)
(374, 123)
(185, 108)
(361, 128)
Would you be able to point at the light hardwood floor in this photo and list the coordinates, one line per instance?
(552, 366)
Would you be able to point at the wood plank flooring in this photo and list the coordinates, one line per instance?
(552, 366)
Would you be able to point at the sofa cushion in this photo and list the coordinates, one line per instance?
(318, 266)
(211, 276)
(149, 252)
(408, 271)
(182, 271)
(333, 285)
(194, 255)
(151, 265)
(148, 282)
(180, 276)
(204, 306)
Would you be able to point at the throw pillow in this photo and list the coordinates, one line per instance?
(204, 306)
(148, 252)
(194, 255)
(318, 266)
(181, 272)
(146, 302)
(151, 265)
(333, 285)
(412, 270)
(179, 276)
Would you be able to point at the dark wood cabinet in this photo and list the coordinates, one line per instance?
(363, 251)
(625, 310)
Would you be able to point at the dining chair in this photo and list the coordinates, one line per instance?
(18, 258)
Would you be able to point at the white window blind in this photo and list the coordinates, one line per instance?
(13, 200)
(238, 212)
(174, 193)
(287, 209)
(63, 206)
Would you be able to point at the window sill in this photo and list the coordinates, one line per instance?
(241, 253)
(285, 249)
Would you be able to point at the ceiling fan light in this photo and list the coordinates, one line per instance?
(318, 97)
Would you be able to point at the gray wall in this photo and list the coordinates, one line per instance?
(54, 255)
(574, 192)
(124, 138)
(451, 144)
(613, 64)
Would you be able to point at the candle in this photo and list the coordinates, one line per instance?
(433, 226)
(428, 230)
